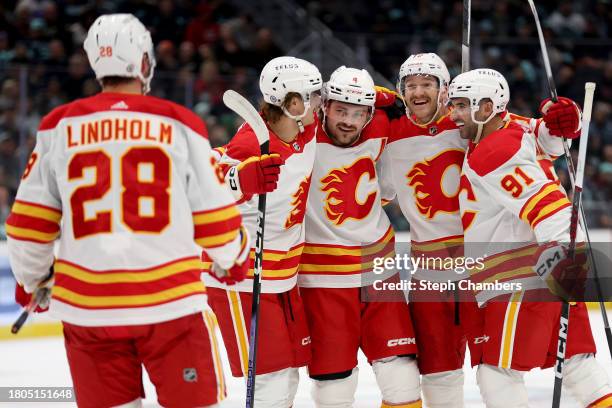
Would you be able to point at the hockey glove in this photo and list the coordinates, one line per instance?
(564, 276)
(238, 271)
(24, 298)
(255, 175)
(561, 118)
(389, 102)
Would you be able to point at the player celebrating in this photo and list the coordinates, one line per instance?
(125, 182)
(424, 158)
(290, 89)
(346, 228)
(514, 201)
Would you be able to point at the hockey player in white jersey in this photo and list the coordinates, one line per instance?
(290, 88)
(514, 205)
(423, 161)
(126, 184)
(346, 230)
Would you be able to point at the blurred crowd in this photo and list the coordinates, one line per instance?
(205, 47)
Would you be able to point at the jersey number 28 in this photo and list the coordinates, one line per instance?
(134, 190)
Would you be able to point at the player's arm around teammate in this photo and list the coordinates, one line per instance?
(423, 160)
(514, 201)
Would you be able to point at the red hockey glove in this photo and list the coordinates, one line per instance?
(238, 271)
(256, 175)
(384, 97)
(389, 102)
(562, 118)
(565, 277)
(24, 298)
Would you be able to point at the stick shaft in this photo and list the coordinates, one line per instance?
(561, 346)
(546, 60)
(465, 46)
(589, 89)
(261, 222)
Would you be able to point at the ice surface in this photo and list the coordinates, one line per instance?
(42, 362)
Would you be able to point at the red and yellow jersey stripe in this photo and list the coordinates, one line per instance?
(215, 228)
(328, 259)
(277, 265)
(444, 248)
(603, 402)
(506, 266)
(33, 222)
(129, 288)
(546, 202)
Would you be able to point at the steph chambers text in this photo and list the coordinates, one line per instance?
(447, 285)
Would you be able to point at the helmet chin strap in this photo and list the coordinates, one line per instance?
(298, 118)
(480, 124)
(478, 133)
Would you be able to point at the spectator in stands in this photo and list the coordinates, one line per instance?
(9, 164)
(567, 22)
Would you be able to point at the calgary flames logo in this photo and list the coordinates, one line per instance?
(341, 202)
(298, 202)
(427, 178)
(467, 218)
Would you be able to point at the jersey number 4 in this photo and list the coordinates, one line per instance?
(135, 189)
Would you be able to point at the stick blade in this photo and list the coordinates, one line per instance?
(246, 111)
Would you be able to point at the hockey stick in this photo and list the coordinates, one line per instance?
(589, 91)
(551, 83)
(564, 320)
(465, 43)
(571, 171)
(246, 111)
(39, 295)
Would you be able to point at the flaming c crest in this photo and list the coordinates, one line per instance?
(467, 218)
(426, 178)
(298, 204)
(341, 184)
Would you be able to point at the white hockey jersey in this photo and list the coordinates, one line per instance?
(423, 163)
(127, 185)
(285, 208)
(508, 205)
(346, 226)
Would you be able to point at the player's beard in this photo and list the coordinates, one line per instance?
(345, 136)
(468, 131)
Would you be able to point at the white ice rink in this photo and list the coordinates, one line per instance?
(42, 362)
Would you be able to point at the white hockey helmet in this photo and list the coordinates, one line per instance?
(115, 46)
(283, 75)
(479, 84)
(423, 64)
(351, 85)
